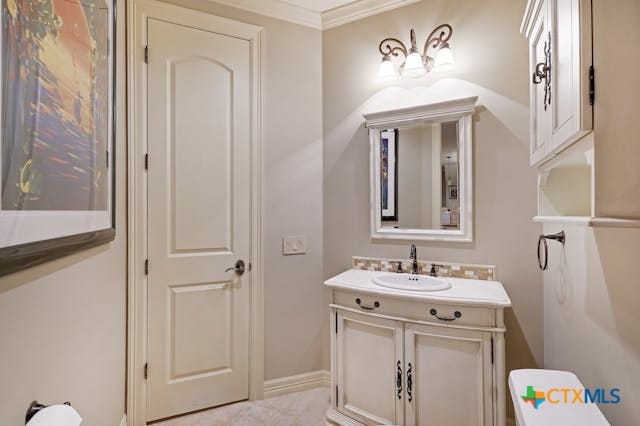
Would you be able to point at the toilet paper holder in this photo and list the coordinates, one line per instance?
(33, 409)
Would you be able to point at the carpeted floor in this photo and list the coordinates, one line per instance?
(305, 408)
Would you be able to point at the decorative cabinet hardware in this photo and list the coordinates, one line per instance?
(544, 248)
(376, 304)
(456, 315)
(542, 73)
(239, 267)
(410, 382)
(399, 380)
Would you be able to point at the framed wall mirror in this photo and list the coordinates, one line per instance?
(421, 172)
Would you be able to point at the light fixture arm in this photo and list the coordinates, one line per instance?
(438, 38)
(386, 47)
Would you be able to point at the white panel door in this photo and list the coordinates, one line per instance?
(539, 44)
(369, 364)
(448, 376)
(199, 128)
(571, 58)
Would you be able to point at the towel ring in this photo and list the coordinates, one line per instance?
(542, 244)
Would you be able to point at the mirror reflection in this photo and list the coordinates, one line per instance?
(419, 175)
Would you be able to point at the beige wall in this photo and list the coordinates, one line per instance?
(294, 317)
(414, 178)
(591, 313)
(62, 325)
(491, 62)
(616, 110)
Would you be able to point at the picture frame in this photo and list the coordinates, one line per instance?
(389, 174)
(57, 141)
(452, 192)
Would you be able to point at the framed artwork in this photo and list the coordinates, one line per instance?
(453, 192)
(57, 186)
(389, 174)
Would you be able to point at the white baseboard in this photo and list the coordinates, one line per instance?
(123, 422)
(301, 382)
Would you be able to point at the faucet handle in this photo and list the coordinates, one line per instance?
(433, 271)
(399, 269)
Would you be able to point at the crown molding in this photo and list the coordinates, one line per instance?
(359, 9)
(279, 10)
(430, 112)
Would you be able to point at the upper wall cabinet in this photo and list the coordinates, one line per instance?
(561, 74)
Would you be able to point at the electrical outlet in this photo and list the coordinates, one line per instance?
(294, 245)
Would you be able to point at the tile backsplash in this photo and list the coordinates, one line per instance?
(443, 269)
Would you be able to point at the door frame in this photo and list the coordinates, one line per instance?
(137, 13)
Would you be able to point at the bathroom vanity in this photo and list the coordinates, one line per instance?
(413, 357)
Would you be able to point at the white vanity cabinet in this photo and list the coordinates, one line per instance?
(369, 353)
(449, 368)
(404, 360)
(561, 75)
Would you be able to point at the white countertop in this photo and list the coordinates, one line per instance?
(462, 291)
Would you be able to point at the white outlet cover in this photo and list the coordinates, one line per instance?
(294, 245)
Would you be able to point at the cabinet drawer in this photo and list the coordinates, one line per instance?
(423, 311)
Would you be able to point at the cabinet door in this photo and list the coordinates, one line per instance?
(571, 59)
(539, 42)
(451, 378)
(369, 359)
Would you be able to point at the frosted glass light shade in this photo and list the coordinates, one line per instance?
(413, 66)
(444, 57)
(386, 70)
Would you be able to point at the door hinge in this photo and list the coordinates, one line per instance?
(492, 350)
(107, 159)
(592, 85)
(146, 266)
(146, 370)
(336, 323)
(337, 395)
(146, 161)
(146, 54)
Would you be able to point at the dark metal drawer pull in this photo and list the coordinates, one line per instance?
(376, 304)
(456, 315)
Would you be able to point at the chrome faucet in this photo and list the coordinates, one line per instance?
(414, 259)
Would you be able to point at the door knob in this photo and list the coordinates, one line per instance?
(239, 268)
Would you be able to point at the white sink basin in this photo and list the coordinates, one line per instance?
(412, 282)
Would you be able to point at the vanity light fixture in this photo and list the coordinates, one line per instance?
(416, 64)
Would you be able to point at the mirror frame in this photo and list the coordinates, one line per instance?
(460, 110)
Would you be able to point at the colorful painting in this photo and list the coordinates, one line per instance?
(389, 174)
(56, 171)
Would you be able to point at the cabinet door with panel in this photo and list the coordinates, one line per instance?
(539, 53)
(571, 61)
(449, 376)
(369, 363)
